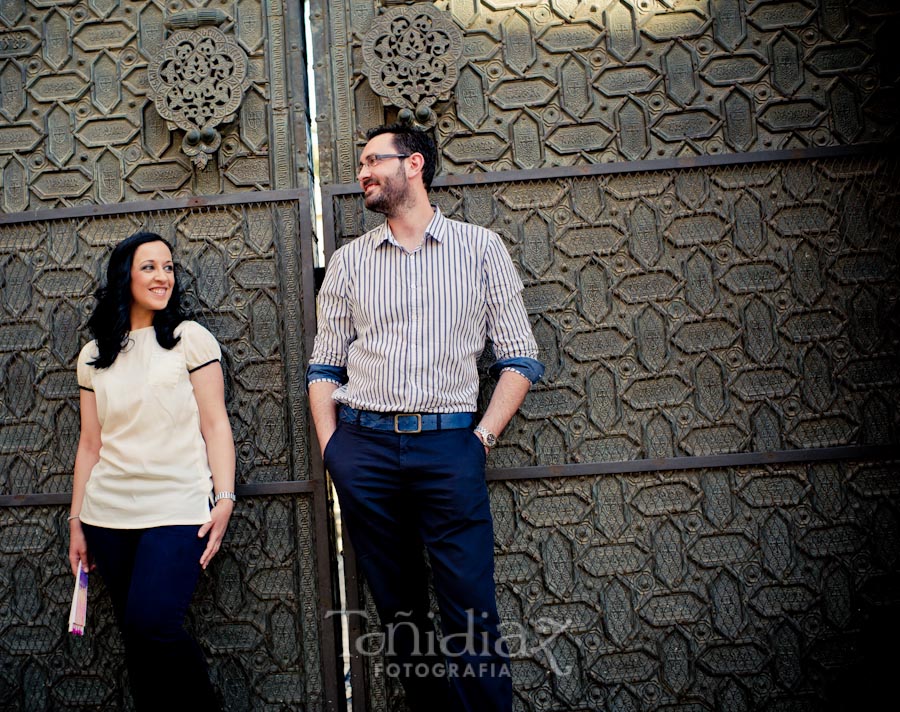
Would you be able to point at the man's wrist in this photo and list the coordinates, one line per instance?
(488, 438)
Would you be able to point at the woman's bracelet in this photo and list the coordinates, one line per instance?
(224, 495)
(73, 516)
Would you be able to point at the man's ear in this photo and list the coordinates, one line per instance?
(415, 164)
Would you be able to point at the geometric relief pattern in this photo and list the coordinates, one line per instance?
(232, 279)
(76, 96)
(613, 80)
(253, 600)
(746, 311)
(256, 608)
(775, 607)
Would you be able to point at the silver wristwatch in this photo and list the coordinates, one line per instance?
(487, 437)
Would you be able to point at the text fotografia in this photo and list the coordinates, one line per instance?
(460, 650)
(450, 669)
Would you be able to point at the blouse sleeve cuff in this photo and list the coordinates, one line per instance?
(202, 365)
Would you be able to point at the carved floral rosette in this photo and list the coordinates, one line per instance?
(197, 82)
(411, 56)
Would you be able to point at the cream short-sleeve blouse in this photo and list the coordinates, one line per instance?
(153, 468)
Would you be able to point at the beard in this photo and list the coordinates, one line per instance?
(392, 194)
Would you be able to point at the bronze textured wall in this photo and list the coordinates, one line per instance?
(703, 489)
(678, 329)
(237, 263)
(79, 127)
(705, 486)
(253, 612)
(257, 609)
(574, 82)
(699, 311)
(743, 588)
(85, 160)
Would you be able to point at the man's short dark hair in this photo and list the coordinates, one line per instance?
(408, 139)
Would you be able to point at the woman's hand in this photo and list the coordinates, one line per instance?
(209, 392)
(86, 457)
(216, 526)
(78, 553)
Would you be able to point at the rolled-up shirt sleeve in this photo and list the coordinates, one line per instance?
(507, 321)
(328, 361)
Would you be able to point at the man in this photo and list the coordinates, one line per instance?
(404, 312)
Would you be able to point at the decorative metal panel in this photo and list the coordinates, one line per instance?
(241, 271)
(714, 306)
(78, 125)
(410, 57)
(257, 611)
(197, 81)
(697, 311)
(719, 589)
(595, 81)
(254, 614)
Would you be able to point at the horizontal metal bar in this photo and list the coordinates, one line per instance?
(265, 489)
(662, 164)
(583, 469)
(663, 464)
(262, 489)
(146, 206)
(35, 500)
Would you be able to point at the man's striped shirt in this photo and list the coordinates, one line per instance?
(410, 326)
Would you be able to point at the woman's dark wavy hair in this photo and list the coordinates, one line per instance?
(110, 323)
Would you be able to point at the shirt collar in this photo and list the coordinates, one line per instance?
(435, 230)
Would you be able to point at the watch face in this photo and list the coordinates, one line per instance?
(487, 436)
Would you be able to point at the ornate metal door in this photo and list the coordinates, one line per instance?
(698, 507)
(116, 116)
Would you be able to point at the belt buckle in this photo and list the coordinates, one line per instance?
(418, 418)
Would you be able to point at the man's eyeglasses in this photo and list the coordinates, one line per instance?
(373, 159)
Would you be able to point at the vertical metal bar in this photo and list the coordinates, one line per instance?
(320, 31)
(288, 220)
(329, 240)
(360, 698)
(354, 626)
(357, 669)
(329, 628)
(326, 562)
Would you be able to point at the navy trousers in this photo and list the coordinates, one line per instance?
(151, 575)
(398, 493)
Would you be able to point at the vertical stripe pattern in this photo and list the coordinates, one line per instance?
(410, 326)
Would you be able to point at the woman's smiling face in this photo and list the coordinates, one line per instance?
(152, 280)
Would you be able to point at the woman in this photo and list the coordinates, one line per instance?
(154, 473)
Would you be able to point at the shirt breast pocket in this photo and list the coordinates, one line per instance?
(166, 369)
